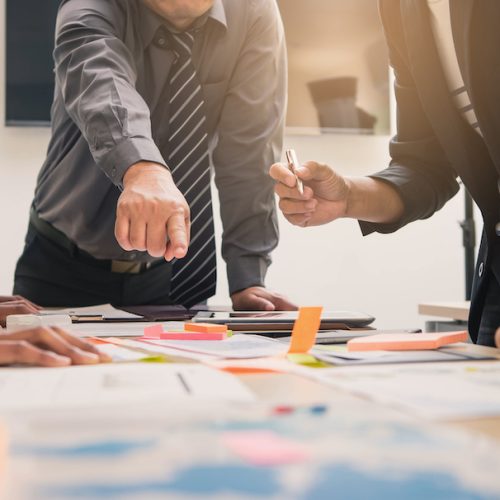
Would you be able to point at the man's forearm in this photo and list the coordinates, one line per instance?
(372, 200)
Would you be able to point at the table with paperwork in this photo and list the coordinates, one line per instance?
(288, 436)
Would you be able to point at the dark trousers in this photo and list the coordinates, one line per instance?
(490, 317)
(53, 276)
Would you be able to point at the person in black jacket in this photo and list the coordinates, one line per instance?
(447, 82)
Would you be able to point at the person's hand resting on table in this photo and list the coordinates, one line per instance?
(44, 346)
(258, 298)
(15, 304)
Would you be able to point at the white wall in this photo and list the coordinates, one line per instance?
(384, 275)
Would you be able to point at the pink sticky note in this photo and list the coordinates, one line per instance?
(405, 341)
(153, 332)
(264, 447)
(192, 336)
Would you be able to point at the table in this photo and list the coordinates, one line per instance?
(365, 441)
(456, 315)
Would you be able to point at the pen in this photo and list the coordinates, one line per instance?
(294, 165)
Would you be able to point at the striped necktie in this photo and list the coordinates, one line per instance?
(193, 277)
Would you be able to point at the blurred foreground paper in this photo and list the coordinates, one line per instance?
(115, 384)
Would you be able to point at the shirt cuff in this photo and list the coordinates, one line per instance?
(127, 153)
(246, 271)
(413, 190)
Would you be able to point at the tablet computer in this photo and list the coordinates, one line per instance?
(282, 320)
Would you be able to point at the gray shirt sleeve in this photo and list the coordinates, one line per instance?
(96, 74)
(250, 141)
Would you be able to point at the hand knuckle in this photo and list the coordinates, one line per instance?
(21, 347)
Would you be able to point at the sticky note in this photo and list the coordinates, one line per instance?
(264, 448)
(247, 370)
(192, 336)
(153, 331)
(305, 330)
(204, 328)
(405, 341)
(306, 360)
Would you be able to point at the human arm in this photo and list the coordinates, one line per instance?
(250, 133)
(96, 73)
(44, 346)
(418, 181)
(328, 196)
(15, 304)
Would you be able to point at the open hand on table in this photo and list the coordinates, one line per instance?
(44, 346)
(258, 298)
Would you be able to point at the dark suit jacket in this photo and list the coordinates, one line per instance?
(434, 145)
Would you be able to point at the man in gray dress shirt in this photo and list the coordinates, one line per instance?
(137, 84)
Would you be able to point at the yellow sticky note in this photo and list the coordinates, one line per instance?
(306, 360)
(305, 329)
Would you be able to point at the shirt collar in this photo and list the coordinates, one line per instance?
(150, 21)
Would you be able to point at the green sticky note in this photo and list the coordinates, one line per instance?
(154, 359)
(332, 348)
(306, 360)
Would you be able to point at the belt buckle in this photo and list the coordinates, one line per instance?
(126, 267)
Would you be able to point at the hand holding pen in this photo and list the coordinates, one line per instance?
(310, 194)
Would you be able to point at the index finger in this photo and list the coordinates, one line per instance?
(178, 235)
(281, 173)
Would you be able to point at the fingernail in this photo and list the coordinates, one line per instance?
(61, 360)
(89, 356)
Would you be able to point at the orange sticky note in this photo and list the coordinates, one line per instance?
(204, 328)
(305, 330)
(405, 341)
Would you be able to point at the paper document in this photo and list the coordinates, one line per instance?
(437, 391)
(115, 384)
(105, 311)
(116, 329)
(239, 346)
(124, 354)
(340, 356)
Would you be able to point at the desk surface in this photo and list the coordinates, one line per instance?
(450, 310)
(285, 389)
(349, 431)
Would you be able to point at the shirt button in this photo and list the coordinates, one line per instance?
(497, 228)
(133, 255)
(481, 269)
(161, 41)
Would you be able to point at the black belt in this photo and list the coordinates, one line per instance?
(49, 232)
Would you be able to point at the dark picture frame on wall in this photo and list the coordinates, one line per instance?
(30, 26)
